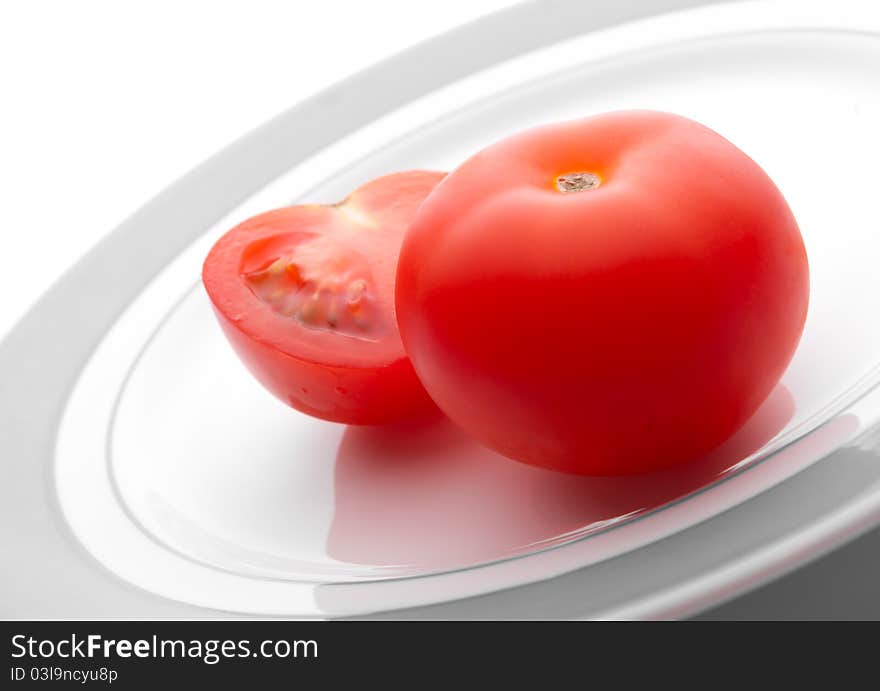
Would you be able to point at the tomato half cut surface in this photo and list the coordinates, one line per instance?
(305, 295)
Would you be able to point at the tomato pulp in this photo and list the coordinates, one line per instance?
(607, 296)
(305, 296)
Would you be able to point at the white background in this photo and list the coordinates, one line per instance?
(106, 103)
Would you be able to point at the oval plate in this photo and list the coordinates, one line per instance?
(152, 472)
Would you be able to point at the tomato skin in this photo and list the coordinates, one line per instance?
(328, 370)
(610, 331)
(354, 395)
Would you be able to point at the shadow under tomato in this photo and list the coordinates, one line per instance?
(426, 496)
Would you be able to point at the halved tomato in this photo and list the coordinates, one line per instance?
(305, 295)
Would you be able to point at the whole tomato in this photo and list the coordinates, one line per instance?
(305, 295)
(607, 296)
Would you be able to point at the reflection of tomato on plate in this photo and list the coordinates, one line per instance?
(424, 495)
(607, 296)
(305, 296)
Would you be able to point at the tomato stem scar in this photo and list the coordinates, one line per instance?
(577, 182)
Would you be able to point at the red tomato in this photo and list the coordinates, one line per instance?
(305, 297)
(607, 296)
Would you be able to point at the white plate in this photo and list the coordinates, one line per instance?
(179, 475)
